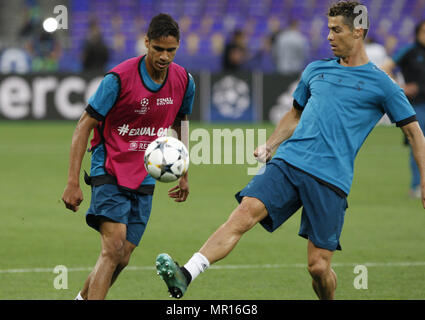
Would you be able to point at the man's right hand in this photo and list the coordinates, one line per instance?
(72, 197)
(263, 153)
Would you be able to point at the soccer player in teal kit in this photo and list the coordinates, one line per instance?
(125, 102)
(336, 104)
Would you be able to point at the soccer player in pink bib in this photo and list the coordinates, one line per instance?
(136, 102)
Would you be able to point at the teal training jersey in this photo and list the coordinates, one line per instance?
(341, 105)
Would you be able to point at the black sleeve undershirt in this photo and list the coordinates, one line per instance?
(94, 114)
(297, 105)
(406, 121)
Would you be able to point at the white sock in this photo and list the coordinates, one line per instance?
(197, 264)
(79, 297)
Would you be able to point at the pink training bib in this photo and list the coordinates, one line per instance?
(137, 118)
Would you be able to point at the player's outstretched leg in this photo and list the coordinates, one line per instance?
(218, 246)
(172, 274)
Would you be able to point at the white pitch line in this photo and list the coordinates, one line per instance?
(237, 266)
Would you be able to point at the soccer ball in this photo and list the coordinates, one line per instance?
(166, 159)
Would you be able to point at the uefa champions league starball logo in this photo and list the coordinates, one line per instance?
(231, 96)
(144, 102)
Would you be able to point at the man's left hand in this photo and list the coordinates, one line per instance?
(181, 191)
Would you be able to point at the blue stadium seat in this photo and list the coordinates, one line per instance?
(401, 14)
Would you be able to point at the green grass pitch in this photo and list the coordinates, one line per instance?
(383, 228)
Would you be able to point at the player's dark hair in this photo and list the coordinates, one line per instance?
(346, 9)
(163, 25)
(418, 28)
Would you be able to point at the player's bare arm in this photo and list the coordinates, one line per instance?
(283, 131)
(388, 66)
(180, 192)
(417, 141)
(411, 89)
(73, 196)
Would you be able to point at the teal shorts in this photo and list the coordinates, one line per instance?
(110, 202)
(284, 189)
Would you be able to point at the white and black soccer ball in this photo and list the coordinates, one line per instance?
(166, 159)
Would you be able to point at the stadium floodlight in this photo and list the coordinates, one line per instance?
(50, 25)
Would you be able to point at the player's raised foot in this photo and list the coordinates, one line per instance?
(173, 276)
